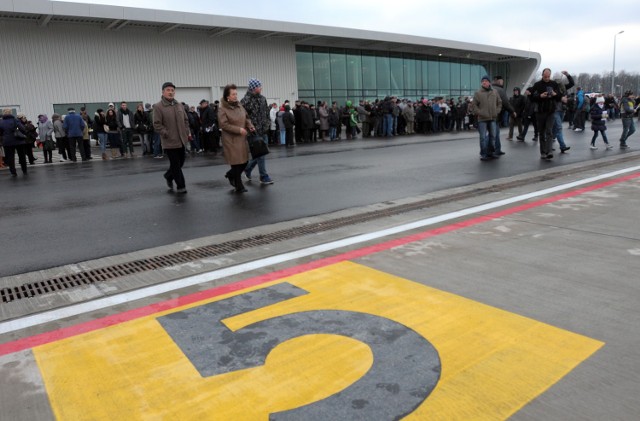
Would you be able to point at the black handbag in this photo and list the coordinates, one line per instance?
(257, 147)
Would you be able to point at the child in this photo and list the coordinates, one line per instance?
(598, 123)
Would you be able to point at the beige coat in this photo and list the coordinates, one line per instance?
(231, 118)
(171, 122)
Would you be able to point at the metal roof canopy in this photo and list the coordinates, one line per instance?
(114, 18)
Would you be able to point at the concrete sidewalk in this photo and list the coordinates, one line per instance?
(529, 296)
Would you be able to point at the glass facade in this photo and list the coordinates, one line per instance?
(327, 74)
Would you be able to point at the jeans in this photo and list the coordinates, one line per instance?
(102, 137)
(283, 136)
(127, 140)
(260, 162)
(628, 128)
(176, 161)
(387, 125)
(157, 148)
(557, 128)
(496, 139)
(487, 132)
(332, 133)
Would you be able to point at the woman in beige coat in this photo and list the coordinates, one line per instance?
(234, 124)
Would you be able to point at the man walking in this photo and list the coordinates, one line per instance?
(170, 122)
(517, 101)
(258, 112)
(560, 109)
(486, 106)
(497, 85)
(546, 94)
(627, 108)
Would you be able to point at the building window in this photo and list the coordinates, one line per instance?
(326, 74)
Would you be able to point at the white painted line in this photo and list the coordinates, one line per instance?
(126, 297)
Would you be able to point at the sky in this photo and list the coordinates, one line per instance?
(577, 36)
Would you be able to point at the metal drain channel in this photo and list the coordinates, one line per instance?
(64, 282)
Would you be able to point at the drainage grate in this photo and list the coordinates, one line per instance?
(34, 289)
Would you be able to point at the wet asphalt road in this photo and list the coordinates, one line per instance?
(70, 212)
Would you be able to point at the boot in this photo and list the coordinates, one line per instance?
(104, 156)
(113, 154)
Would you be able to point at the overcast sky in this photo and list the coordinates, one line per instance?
(577, 36)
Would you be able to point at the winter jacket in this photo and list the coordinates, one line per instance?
(597, 122)
(45, 130)
(323, 116)
(518, 103)
(171, 123)
(73, 124)
(257, 111)
(232, 117)
(545, 105)
(8, 125)
(58, 127)
(486, 104)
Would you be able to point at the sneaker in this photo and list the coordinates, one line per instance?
(181, 191)
(624, 146)
(609, 146)
(266, 180)
(593, 147)
(509, 138)
(158, 156)
(247, 176)
(499, 153)
(566, 148)
(520, 138)
(63, 159)
(485, 158)
(577, 130)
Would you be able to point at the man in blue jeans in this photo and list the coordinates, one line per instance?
(258, 112)
(486, 106)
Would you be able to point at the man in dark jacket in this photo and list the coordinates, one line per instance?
(74, 126)
(498, 86)
(209, 124)
(545, 93)
(258, 112)
(517, 103)
(171, 123)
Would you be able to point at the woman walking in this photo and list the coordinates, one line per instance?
(598, 123)
(234, 124)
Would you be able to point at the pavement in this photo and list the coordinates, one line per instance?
(507, 298)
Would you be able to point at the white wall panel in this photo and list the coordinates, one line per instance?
(80, 63)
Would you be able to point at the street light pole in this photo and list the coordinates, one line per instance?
(613, 76)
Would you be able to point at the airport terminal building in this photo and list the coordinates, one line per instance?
(58, 54)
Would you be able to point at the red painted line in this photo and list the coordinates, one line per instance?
(67, 332)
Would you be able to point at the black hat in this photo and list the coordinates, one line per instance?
(204, 100)
(628, 93)
(167, 84)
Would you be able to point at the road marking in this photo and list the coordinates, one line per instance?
(110, 301)
(489, 362)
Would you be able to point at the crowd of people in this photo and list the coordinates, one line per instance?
(543, 106)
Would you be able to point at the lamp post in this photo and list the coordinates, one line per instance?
(613, 76)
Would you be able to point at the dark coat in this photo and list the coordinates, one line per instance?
(597, 122)
(8, 125)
